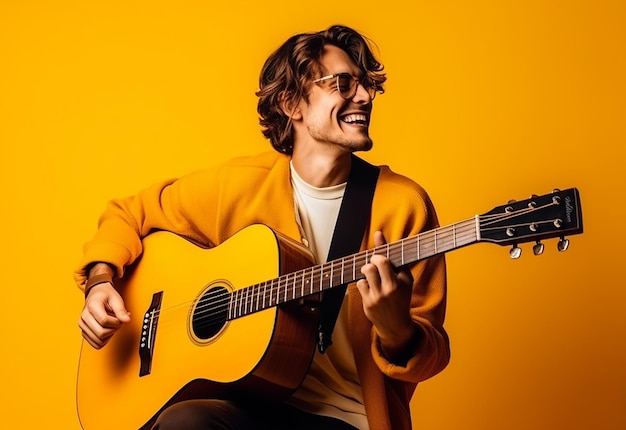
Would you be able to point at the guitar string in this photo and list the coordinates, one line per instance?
(317, 271)
(395, 251)
(392, 250)
(509, 215)
(294, 284)
(205, 314)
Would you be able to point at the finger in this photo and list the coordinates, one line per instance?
(379, 238)
(90, 335)
(384, 270)
(372, 279)
(405, 277)
(102, 317)
(93, 330)
(117, 308)
(363, 287)
(94, 341)
(384, 267)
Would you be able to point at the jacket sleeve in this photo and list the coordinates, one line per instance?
(169, 205)
(205, 207)
(412, 212)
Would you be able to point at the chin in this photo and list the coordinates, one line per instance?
(364, 145)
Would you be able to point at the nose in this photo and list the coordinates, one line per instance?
(362, 96)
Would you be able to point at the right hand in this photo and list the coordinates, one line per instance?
(103, 314)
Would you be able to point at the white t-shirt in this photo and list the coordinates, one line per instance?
(332, 386)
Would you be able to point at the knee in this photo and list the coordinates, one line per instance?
(187, 415)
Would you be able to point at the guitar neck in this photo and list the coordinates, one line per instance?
(316, 279)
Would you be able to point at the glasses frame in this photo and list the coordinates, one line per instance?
(371, 88)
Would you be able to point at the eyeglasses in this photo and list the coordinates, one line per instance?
(347, 84)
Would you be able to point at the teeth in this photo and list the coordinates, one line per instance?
(354, 118)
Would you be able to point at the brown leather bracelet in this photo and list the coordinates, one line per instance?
(96, 280)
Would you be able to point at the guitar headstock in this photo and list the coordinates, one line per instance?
(541, 217)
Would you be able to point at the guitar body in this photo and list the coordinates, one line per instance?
(266, 353)
(226, 322)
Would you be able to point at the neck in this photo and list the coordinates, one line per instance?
(322, 169)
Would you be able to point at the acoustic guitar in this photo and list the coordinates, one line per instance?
(230, 321)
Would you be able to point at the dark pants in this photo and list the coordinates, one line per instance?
(229, 415)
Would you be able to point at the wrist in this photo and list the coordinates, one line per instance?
(99, 273)
(399, 349)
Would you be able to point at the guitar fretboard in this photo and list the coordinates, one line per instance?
(316, 279)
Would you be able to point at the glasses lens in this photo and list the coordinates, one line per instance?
(346, 84)
(370, 85)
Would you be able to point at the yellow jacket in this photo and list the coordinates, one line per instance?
(211, 205)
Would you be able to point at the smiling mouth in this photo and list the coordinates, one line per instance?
(355, 118)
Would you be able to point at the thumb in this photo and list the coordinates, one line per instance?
(379, 238)
(117, 307)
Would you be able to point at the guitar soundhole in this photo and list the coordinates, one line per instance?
(210, 313)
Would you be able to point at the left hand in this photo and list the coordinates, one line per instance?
(386, 295)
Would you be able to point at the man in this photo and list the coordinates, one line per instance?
(315, 104)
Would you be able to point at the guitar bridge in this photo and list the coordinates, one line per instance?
(148, 334)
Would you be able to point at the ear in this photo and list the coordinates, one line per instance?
(289, 105)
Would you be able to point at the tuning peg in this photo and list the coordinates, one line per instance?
(563, 244)
(538, 248)
(515, 252)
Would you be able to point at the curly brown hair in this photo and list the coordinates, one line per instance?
(288, 71)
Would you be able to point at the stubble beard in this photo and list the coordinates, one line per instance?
(362, 143)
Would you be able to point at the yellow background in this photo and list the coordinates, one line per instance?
(486, 101)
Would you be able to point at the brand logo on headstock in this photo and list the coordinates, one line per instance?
(568, 209)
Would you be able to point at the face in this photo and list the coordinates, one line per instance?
(326, 119)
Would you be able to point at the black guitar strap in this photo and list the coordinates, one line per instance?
(354, 215)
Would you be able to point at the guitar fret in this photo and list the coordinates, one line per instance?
(271, 291)
(418, 248)
(239, 299)
(230, 305)
(321, 278)
(347, 269)
(454, 235)
(342, 270)
(264, 290)
(244, 302)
